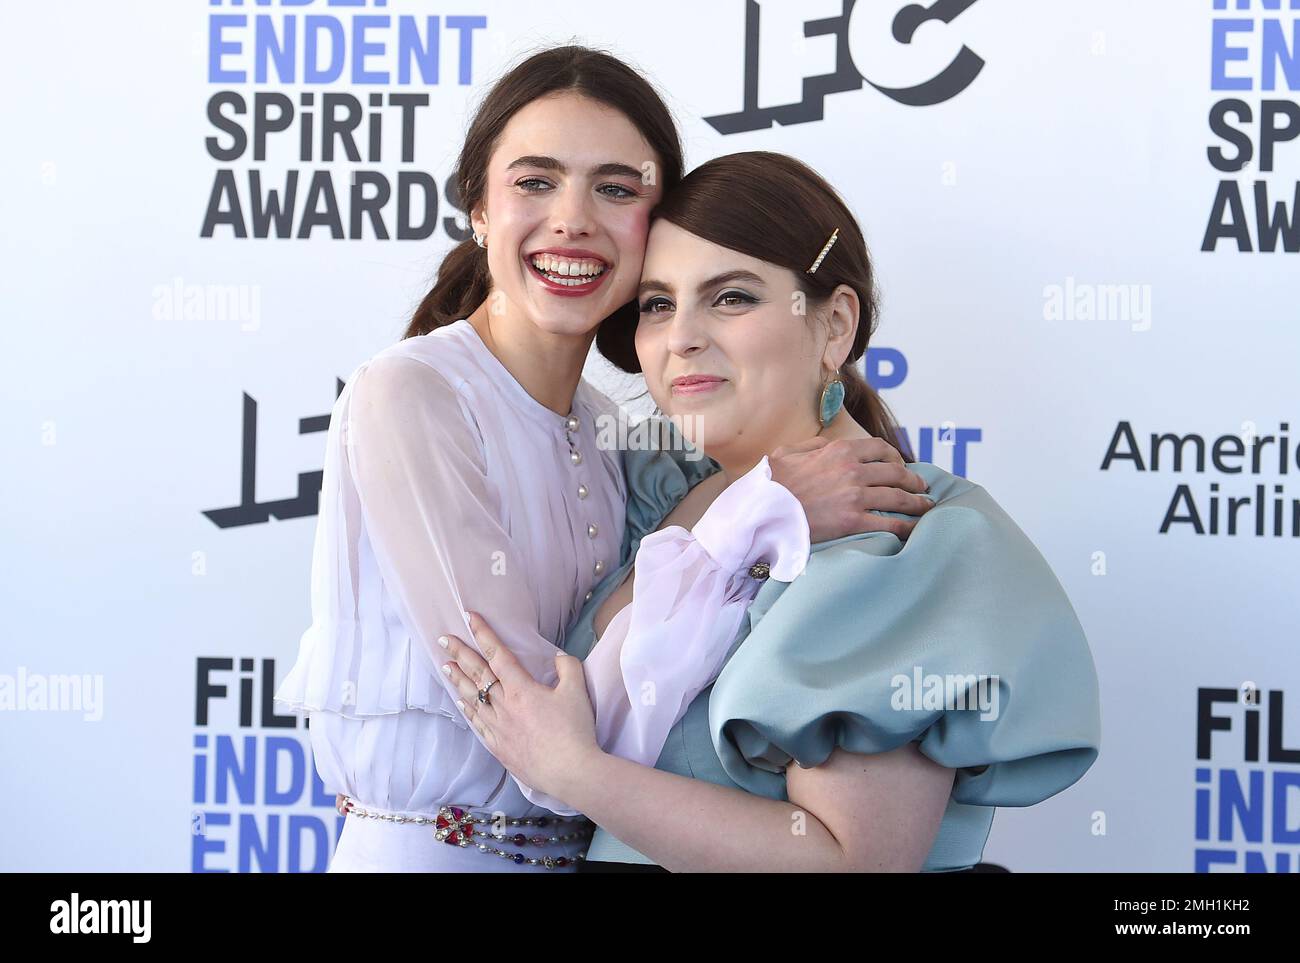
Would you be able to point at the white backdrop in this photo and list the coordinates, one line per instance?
(1038, 236)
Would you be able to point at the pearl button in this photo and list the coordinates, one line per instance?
(600, 566)
(591, 531)
(572, 423)
(575, 456)
(582, 491)
(589, 595)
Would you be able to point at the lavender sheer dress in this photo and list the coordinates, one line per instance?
(448, 488)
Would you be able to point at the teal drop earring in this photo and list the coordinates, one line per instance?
(832, 400)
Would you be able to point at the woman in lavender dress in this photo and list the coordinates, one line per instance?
(464, 471)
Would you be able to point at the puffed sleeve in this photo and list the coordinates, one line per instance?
(691, 590)
(962, 640)
(404, 456)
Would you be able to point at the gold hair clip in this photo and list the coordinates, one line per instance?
(822, 256)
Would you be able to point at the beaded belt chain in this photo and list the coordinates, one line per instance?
(456, 827)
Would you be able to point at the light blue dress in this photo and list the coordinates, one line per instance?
(857, 650)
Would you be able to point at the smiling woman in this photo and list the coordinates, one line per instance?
(571, 271)
(582, 152)
(565, 234)
(464, 471)
(790, 719)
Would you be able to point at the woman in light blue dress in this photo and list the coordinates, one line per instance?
(463, 467)
(879, 698)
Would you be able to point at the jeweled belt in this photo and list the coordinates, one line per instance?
(455, 826)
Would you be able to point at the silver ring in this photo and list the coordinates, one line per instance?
(483, 692)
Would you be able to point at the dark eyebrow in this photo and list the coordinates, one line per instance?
(609, 169)
(725, 277)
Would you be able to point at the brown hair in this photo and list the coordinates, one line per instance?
(463, 281)
(779, 210)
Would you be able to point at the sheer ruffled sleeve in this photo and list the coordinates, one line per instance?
(961, 640)
(691, 589)
(404, 455)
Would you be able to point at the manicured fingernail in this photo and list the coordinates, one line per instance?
(442, 641)
(446, 669)
(460, 705)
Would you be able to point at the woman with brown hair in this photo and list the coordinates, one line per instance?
(464, 470)
(877, 699)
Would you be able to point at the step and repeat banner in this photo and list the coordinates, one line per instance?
(1086, 222)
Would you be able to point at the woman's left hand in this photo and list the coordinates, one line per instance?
(541, 734)
(842, 484)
